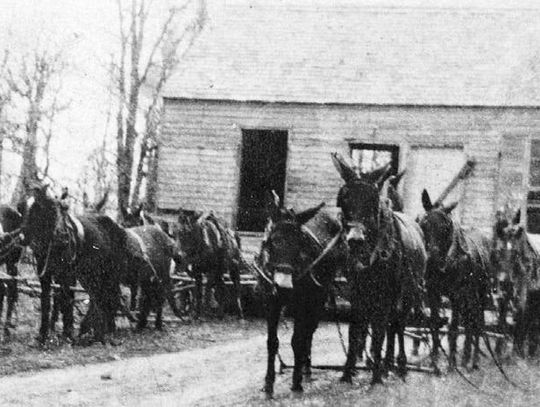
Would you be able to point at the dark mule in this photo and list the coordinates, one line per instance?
(518, 259)
(150, 252)
(300, 257)
(459, 268)
(212, 249)
(138, 217)
(10, 221)
(87, 248)
(386, 267)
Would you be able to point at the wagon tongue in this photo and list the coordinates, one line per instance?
(283, 280)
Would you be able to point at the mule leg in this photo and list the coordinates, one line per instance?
(314, 316)
(234, 273)
(378, 330)
(358, 328)
(133, 291)
(468, 343)
(56, 300)
(67, 306)
(199, 291)
(144, 309)
(390, 346)
(159, 303)
(501, 323)
(298, 343)
(274, 307)
(12, 293)
(45, 298)
(221, 295)
(3, 290)
(453, 335)
(519, 332)
(402, 355)
(434, 322)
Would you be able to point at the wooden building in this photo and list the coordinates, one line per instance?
(269, 89)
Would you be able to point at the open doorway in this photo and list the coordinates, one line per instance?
(263, 168)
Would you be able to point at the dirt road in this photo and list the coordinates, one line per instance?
(232, 374)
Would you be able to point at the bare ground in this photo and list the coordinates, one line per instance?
(230, 372)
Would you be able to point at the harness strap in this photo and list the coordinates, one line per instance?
(329, 247)
(310, 233)
(78, 227)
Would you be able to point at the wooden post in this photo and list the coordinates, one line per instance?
(462, 174)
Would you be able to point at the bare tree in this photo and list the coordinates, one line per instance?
(144, 64)
(35, 79)
(5, 98)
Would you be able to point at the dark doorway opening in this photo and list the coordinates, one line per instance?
(263, 168)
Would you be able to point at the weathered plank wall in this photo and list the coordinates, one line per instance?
(200, 148)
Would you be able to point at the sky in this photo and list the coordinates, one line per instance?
(88, 30)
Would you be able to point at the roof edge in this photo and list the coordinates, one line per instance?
(409, 105)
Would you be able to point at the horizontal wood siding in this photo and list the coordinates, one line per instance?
(200, 148)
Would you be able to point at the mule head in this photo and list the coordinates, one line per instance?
(132, 217)
(438, 229)
(359, 200)
(286, 250)
(45, 219)
(188, 232)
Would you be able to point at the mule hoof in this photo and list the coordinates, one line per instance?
(346, 378)
(376, 381)
(297, 388)
(402, 372)
(268, 389)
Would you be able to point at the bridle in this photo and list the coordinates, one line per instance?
(378, 251)
(454, 246)
(309, 270)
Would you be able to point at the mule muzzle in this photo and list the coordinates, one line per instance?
(356, 236)
(283, 275)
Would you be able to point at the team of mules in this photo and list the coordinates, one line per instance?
(397, 270)
(102, 256)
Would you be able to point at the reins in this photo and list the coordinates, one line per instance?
(327, 249)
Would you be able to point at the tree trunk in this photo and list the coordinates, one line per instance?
(151, 181)
(29, 170)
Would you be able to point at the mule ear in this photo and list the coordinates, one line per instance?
(124, 211)
(396, 179)
(65, 193)
(450, 208)
(22, 207)
(272, 204)
(103, 201)
(197, 215)
(306, 215)
(380, 175)
(518, 232)
(426, 201)
(517, 217)
(137, 211)
(345, 170)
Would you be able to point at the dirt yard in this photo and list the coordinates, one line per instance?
(223, 364)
